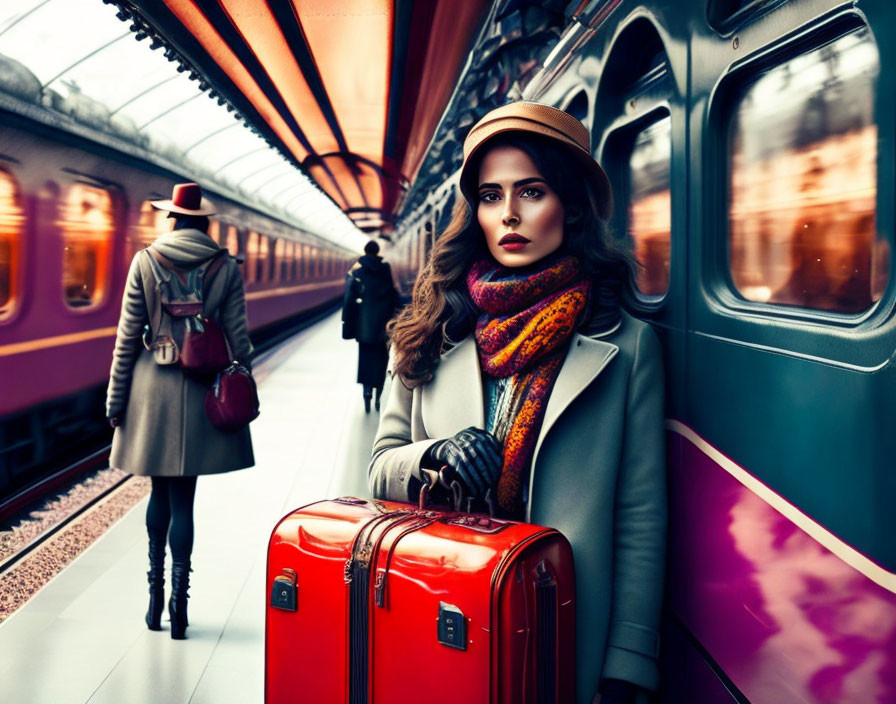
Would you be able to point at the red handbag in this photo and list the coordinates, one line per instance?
(232, 401)
(204, 350)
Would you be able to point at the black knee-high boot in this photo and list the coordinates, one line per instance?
(156, 578)
(177, 604)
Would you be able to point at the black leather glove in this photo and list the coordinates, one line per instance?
(476, 457)
(617, 692)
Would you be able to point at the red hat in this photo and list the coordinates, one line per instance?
(186, 199)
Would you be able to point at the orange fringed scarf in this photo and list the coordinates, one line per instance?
(527, 322)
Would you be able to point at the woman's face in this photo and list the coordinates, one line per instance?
(520, 215)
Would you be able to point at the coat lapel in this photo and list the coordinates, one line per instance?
(454, 399)
(585, 359)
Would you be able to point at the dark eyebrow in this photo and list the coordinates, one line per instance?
(516, 184)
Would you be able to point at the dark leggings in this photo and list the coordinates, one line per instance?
(171, 504)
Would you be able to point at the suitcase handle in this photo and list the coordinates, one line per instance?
(445, 478)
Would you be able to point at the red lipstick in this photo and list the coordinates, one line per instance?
(513, 242)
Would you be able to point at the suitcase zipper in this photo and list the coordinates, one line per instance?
(361, 548)
(357, 577)
(546, 638)
(380, 585)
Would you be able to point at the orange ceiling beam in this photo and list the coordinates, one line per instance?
(259, 28)
(343, 175)
(351, 43)
(195, 21)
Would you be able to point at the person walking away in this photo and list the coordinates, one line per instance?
(370, 302)
(157, 410)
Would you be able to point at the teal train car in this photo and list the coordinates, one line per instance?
(751, 148)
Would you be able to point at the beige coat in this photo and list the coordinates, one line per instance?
(597, 475)
(164, 429)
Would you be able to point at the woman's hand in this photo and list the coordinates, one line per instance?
(114, 421)
(476, 457)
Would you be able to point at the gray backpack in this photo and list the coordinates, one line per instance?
(179, 332)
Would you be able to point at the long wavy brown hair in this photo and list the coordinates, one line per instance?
(441, 312)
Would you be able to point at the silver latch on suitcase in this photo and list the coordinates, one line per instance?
(285, 591)
(452, 626)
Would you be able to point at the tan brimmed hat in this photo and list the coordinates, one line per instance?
(534, 118)
(186, 199)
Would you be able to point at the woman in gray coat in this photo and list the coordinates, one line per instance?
(516, 369)
(161, 428)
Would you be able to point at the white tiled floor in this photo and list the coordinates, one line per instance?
(82, 638)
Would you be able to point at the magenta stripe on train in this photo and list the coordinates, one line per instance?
(786, 619)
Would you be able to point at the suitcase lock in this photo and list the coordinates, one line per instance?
(452, 626)
(285, 591)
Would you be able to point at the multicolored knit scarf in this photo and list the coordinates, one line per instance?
(528, 320)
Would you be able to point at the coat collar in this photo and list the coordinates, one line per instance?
(454, 399)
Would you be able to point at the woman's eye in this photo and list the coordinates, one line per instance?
(488, 197)
(532, 193)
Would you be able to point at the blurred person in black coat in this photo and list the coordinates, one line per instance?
(369, 303)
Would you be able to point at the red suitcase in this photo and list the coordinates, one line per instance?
(375, 602)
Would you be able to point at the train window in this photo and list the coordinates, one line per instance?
(12, 219)
(279, 262)
(650, 206)
(232, 241)
(150, 224)
(214, 231)
(87, 224)
(315, 263)
(300, 274)
(803, 182)
(252, 256)
(262, 263)
(287, 262)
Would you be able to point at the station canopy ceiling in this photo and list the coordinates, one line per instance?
(74, 57)
(351, 90)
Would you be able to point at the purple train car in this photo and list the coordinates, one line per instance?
(72, 215)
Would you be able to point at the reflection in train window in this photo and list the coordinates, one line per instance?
(214, 231)
(803, 182)
(278, 260)
(252, 257)
(650, 206)
(12, 218)
(232, 241)
(288, 263)
(150, 225)
(87, 227)
(261, 262)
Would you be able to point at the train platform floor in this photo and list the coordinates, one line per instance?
(82, 637)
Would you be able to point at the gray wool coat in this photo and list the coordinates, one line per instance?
(598, 475)
(164, 430)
